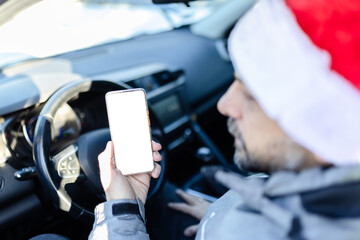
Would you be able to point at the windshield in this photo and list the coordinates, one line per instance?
(52, 27)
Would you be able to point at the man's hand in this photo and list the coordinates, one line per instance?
(193, 206)
(118, 186)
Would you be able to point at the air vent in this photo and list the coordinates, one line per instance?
(156, 80)
(166, 77)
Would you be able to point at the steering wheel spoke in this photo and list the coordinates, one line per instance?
(67, 164)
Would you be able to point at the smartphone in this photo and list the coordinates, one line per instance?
(130, 132)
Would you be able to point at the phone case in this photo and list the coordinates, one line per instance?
(130, 130)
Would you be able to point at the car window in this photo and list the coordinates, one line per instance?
(51, 27)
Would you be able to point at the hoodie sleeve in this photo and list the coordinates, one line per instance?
(120, 219)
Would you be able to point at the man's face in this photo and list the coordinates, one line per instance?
(260, 144)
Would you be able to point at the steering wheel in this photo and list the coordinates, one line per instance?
(78, 160)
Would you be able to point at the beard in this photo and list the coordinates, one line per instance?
(242, 158)
(281, 154)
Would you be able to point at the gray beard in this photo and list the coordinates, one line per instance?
(283, 155)
(241, 155)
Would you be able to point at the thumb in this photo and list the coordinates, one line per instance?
(105, 165)
(191, 230)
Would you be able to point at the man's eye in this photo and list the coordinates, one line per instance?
(244, 89)
(248, 96)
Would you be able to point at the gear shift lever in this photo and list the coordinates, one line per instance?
(204, 154)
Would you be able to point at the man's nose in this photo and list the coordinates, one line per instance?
(222, 105)
(230, 103)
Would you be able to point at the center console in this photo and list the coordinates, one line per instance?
(165, 100)
(188, 144)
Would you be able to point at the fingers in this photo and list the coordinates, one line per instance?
(187, 197)
(193, 206)
(156, 156)
(191, 230)
(182, 207)
(156, 172)
(156, 146)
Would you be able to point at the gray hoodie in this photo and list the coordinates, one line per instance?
(313, 204)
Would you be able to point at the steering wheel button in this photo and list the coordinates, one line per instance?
(63, 163)
(63, 173)
(73, 164)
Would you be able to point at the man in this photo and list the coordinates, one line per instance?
(296, 115)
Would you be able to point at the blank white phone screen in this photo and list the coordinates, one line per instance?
(130, 130)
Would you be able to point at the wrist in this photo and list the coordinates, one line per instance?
(111, 196)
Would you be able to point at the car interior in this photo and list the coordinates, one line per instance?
(53, 121)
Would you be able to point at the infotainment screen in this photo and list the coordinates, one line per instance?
(168, 109)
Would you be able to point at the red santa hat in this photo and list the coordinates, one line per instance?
(301, 61)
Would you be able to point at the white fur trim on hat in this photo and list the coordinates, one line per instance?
(292, 80)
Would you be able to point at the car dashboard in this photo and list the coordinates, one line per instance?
(183, 75)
